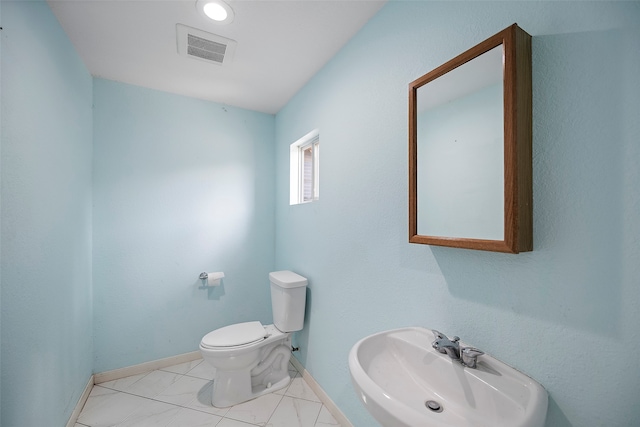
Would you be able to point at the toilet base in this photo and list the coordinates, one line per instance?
(225, 396)
(269, 373)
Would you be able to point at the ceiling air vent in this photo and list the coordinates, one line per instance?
(205, 46)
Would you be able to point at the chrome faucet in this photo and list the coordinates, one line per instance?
(446, 346)
(451, 347)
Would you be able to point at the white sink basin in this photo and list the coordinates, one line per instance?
(395, 372)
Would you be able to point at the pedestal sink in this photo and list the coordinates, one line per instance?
(404, 382)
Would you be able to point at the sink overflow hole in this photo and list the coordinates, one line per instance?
(433, 406)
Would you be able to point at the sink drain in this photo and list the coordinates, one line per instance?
(433, 406)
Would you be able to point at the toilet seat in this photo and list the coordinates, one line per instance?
(239, 334)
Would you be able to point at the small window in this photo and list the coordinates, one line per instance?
(304, 169)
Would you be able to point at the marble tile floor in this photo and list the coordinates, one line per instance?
(180, 396)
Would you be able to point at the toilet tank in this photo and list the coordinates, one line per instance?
(288, 297)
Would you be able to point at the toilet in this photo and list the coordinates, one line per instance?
(252, 359)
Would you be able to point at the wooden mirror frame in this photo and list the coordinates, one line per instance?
(518, 193)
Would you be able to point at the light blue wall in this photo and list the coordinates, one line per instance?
(566, 313)
(46, 219)
(181, 186)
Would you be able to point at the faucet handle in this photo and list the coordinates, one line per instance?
(455, 338)
(469, 356)
(438, 335)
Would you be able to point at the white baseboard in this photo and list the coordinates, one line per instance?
(83, 399)
(116, 374)
(324, 397)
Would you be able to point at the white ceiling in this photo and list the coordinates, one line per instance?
(281, 45)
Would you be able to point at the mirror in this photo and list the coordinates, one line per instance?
(470, 148)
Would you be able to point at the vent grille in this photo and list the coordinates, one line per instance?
(205, 49)
(204, 46)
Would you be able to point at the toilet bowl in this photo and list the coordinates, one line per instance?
(252, 359)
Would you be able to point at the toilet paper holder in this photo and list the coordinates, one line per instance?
(211, 279)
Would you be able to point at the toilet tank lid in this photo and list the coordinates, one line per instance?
(287, 279)
(234, 335)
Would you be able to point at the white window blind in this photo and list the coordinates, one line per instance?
(305, 168)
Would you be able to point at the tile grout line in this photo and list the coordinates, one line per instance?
(222, 417)
(321, 394)
(268, 419)
(154, 398)
(161, 401)
(160, 365)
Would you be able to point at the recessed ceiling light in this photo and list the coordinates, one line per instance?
(217, 10)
